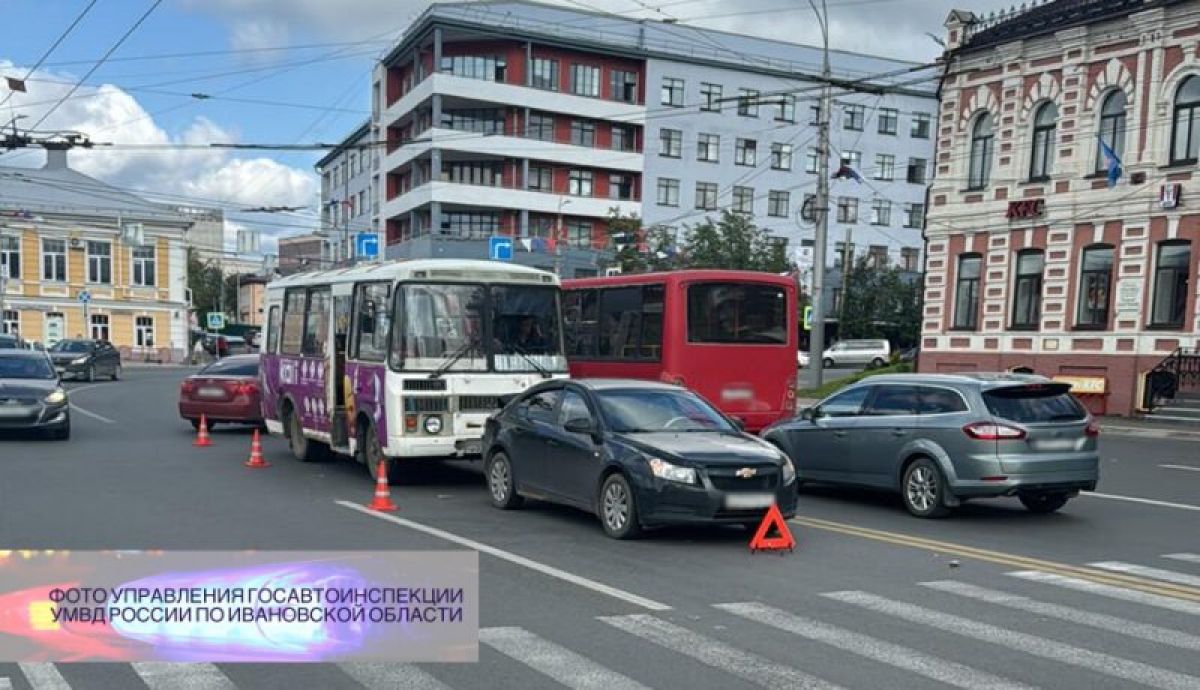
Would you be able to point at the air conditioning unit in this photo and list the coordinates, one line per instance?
(616, 271)
(76, 243)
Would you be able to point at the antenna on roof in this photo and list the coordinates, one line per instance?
(670, 20)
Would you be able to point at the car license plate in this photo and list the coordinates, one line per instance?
(12, 411)
(472, 447)
(1055, 444)
(61, 370)
(212, 393)
(747, 501)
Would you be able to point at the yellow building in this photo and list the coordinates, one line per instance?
(88, 259)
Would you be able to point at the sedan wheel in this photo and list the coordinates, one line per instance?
(618, 510)
(91, 373)
(501, 486)
(924, 490)
(116, 375)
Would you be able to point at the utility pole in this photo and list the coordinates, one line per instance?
(558, 238)
(816, 343)
(3, 289)
(847, 259)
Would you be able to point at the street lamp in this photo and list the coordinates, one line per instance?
(558, 236)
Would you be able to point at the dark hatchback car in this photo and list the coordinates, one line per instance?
(31, 397)
(225, 391)
(638, 454)
(86, 359)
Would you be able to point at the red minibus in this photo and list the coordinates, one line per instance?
(730, 336)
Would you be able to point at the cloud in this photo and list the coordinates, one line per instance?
(256, 34)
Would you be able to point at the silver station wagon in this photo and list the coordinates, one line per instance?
(940, 440)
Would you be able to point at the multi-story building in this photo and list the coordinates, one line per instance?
(305, 252)
(1034, 259)
(251, 290)
(349, 201)
(518, 118)
(65, 240)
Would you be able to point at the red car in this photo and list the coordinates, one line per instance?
(225, 391)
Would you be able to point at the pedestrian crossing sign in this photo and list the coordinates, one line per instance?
(808, 318)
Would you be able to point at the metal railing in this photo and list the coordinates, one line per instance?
(1179, 372)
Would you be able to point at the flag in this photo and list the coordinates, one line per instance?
(527, 243)
(1113, 162)
(538, 244)
(845, 171)
(15, 84)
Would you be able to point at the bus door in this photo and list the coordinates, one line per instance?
(335, 391)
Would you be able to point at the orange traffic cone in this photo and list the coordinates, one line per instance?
(256, 457)
(202, 439)
(383, 498)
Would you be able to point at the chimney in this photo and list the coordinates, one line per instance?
(56, 158)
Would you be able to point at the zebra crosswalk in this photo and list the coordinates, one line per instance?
(1073, 632)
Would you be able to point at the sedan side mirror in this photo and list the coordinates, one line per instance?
(808, 414)
(582, 425)
(739, 423)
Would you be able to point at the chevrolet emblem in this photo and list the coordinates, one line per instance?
(746, 472)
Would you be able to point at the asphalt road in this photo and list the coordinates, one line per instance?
(871, 598)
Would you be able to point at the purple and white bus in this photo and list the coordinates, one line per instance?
(404, 359)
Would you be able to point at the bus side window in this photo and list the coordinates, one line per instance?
(371, 322)
(580, 318)
(652, 322)
(620, 322)
(273, 330)
(293, 321)
(316, 322)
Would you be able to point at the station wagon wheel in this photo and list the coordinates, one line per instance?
(924, 489)
(618, 510)
(501, 487)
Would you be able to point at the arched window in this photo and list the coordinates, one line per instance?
(1185, 134)
(981, 152)
(1042, 160)
(1112, 128)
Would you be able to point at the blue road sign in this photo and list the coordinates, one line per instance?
(216, 321)
(808, 318)
(366, 245)
(500, 248)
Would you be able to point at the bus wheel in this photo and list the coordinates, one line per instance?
(304, 449)
(371, 453)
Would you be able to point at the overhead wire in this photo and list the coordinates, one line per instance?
(54, 46)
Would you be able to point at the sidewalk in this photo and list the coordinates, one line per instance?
(1149, 428)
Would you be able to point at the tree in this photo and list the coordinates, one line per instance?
(638, 249)
(734, 242)
(881, 302)
(206, 281)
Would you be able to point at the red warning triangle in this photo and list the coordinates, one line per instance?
(782, 540)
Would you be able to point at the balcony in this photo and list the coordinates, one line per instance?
(479, 196)
(515, 146)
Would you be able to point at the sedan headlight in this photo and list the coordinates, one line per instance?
(57, 397)
(672, 473)
(79, 360)
(789, 470)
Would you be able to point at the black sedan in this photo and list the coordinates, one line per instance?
(31, 397)
(86, 359)
(637, 454)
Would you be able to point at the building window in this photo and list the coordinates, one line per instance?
(99, 262)
(1027, 289)
(847, 211)
(785, 108)
(470, 225)
(885, 167)
(853, 117)
(1171, 276)
(579, 183)
(888, 118)
(981, 152)
(777, 203)
(624, 86)
(743, 200)
(916, 170)
(540, 127)
(1095, 277)
(143, 331)
(579, 233)
(623, 138)
(668, 192)
(583, 133)
(482, 173)
(852, 159)
(541, 178)
(781, 156)
(708, 148)
(670, 143)
(98, 328)
(478, 120)
(544, 74)
(144, 266)
(486, 67)
(710, 97)
(877, 256)
(914, 215)
(10, 256)
(540, 226)
(814, 115)
(966, 292)
(747, 102)
(1185, 134)
(11, 323)
(54, 260)
(620, 186)
(811, 161)
(842, 253)
(920, 125)
(1042, 161)
(881, 212)
(909, 258)
(585, 80)
(672, 92)
(745, 152)
(1112, 128)
(706, 196)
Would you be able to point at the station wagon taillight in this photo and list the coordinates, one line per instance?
(1092, 429)
(991, 431)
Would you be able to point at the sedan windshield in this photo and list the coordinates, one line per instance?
(71, 346)
(25, 368)
(649, 410)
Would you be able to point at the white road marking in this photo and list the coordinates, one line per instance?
(1135, 596)
(163, 675)
(1106, 664)
(44, 677)
(1186, 557)
(1146, 571)
(380, 676)
(1112, 624)
(1187, 468)
(747, 665)
(1145, 501)
(89, 413)
(557, 662)
(931, 667)
(522, 561)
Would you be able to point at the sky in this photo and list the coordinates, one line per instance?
(298, 71)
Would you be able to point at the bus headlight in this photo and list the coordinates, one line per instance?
(433, 425)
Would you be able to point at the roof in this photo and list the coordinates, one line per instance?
(583, 30)
(999, 377)
(359, 133)
(448, 270)
(683, 275)
(1051, 17)
(600, 384)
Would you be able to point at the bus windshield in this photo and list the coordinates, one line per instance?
(525, 329)
(742, 313)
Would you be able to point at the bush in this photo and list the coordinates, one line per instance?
(831, 387)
